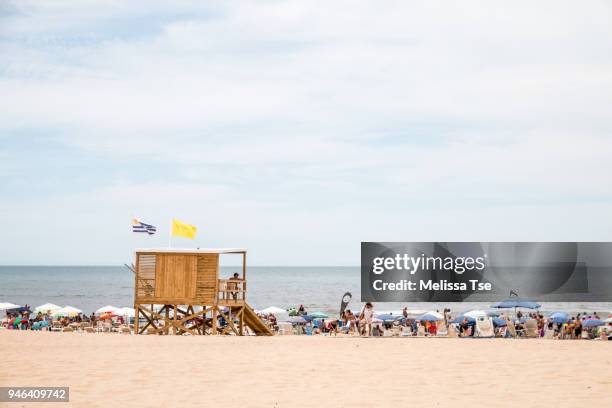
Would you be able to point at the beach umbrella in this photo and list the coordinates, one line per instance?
(272, 310)
(296, 320)
(107, 309)
(67, 311)
(46, 308)
(475, 314)
(376, 320)
(499, 322)
(459, 319)
(387, 318)
(318, 315)
(559, 317)
(126, 311)
(515, 303)
(307, 318)
(430, 317)
(592, 323)
(7, 306)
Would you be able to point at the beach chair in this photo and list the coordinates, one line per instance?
(512, 330)
(421, 331)
(484, 327)
(406, 331)
(531, 329)
(452, 332)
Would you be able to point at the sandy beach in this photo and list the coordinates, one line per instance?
(289, 371)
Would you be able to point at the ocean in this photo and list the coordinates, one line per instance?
(318, 288)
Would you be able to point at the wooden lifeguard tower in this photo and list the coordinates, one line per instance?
(180, 291)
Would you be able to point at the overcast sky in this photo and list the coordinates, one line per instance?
(299, 129)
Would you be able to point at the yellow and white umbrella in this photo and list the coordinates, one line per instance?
(67, 311)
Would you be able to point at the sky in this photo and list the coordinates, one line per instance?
(299, 129)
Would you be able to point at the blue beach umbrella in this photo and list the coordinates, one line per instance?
(388, 318)
(459, 319)
(514, 303)
(307, 318)
(499, 322)
(318, 315)
(429, 317)
(559, 317)
(592, 323)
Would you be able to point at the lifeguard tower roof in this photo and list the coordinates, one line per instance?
(191, 250)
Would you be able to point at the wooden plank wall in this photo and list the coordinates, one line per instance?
(145, 277)
(207, 276)
(175, 276)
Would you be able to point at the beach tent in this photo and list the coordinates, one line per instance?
(8, 306)
(46, 308)
(67, 311)
(107, 309)
(272, 310)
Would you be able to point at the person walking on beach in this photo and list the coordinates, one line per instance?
(366, 317)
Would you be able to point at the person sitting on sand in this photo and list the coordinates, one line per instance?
(366, 316)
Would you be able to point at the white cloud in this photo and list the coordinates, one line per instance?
(330, 120)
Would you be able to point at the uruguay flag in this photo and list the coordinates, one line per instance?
(138, 226)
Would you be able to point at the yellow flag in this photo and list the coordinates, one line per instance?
(180, 229)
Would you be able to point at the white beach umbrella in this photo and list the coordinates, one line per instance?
(438, 315)
(5, 306)
(67, 311)
(46, 308)
(475, 314)
(126, 311)
(272, 310)
(107, 309)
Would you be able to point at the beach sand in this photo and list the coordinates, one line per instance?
(293, 371)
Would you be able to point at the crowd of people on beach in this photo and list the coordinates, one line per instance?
(22, 318)
(366, 322)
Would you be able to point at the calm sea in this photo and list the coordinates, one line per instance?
(318, 288)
